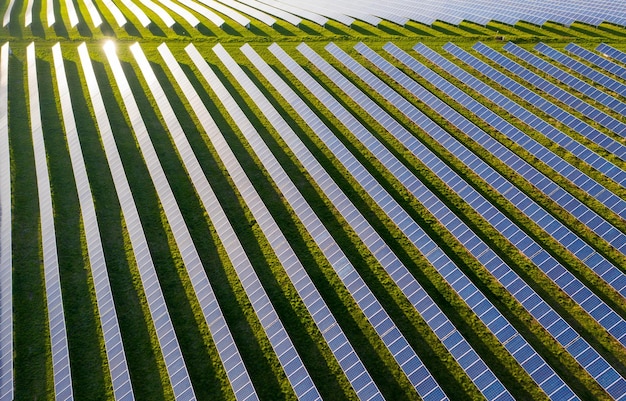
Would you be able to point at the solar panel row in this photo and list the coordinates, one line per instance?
(572, 286)
(612, 52)
(287, 355)
(476, 300)
(116, 358)
(554, 227)
(397, 344)
(469, 360)
(54, 301)
(6, 257)
(172, 355)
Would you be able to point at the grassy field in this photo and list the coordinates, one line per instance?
(33, 375)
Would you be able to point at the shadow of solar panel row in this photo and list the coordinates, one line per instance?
(6, 261)
(229, 355)
(597, 60)
(489, 315)
(538, 308)
(521, 291)
(397, 344)
(116, 359)
(554, 227)
(280, 341)
(54, 301)
(570, 284)
(154, 296)
(583, 213)
(469, 360)
(553, 90)
(574, 83)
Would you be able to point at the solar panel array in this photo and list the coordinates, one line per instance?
(227, 349)
(315, 304)
(570, 285)
(320, 13)
(595, 261)
(451, 273)
(54, 300)
(471, 363)
(429, 222)
(6, 257)
(397, 344)
(116, 359)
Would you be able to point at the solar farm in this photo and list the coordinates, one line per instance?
(296, 200)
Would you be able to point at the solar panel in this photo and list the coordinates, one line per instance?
(449, 114)
(28, 13)
(253, 12)
(136, 10)
(6, 260)
(612, 52)
(407, 359)
(383, 89)
(104, 299)
(424, 305)
(54, 301)
(7, 14)
(287, 355)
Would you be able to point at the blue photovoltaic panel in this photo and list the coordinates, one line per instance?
(116, 359)
(612, 52)
(172, 356)
(285, 351)
(229, 354)
(566, 78)
(6, 260)
(438, 322)
(548, 107)
(522, 293)
(54, 301)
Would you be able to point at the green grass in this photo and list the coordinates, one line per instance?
(33, 367)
